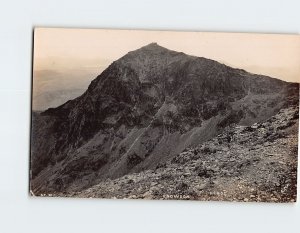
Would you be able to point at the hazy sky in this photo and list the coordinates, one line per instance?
(66, 49)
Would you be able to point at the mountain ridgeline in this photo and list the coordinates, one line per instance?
(146, 108)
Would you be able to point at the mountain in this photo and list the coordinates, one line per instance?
(143, 110)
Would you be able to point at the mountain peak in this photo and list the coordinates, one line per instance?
(148, 56)
(153, 47)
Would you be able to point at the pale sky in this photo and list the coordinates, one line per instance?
(270, 54)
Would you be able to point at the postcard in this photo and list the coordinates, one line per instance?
(136, 114)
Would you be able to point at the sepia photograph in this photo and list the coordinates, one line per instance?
(165, 115)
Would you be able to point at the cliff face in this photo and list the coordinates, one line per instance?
(144, 109)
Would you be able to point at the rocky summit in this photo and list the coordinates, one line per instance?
(165, 125)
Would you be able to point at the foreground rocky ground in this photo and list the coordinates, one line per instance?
(256, 163)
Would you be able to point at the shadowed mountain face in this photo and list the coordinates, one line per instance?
(143, 110)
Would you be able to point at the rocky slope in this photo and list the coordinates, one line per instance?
(254, 163)
(142, 111)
